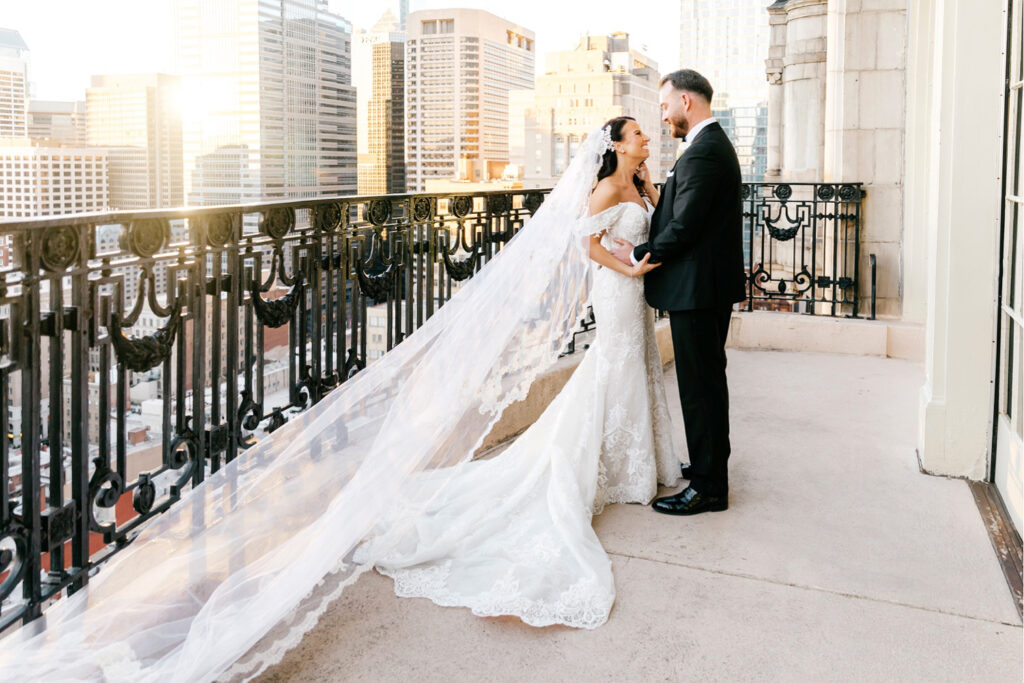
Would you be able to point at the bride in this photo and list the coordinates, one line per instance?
(380, 473)
(512, 535)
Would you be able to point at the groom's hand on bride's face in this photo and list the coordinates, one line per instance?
(623, 251)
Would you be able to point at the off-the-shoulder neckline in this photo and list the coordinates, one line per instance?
(615, 206)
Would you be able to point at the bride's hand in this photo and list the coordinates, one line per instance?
(642, 174)
(643, 267)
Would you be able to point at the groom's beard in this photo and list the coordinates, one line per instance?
(680, 127)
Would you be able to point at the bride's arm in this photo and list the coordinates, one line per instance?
(652, 193)
(604, 197)
(601, 255)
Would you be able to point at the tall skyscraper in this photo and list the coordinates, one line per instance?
(460, 66)
(57, 121)
(13, 85)
(378, 71)
(727, 41)
(267, 93)
(403, 14)
(138, 118)
(603, 77)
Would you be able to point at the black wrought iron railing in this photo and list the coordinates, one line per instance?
(141, 351)
(802, 247)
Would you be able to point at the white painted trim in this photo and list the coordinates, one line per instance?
(961, 204)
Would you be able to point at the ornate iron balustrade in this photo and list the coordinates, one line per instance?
(802, 246)
(141, 351)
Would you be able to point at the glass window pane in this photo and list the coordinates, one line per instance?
(1015, 298)
(1016, 408)
(1010, 287)
(1005, 369)
(1015, 143)
(1017, 65)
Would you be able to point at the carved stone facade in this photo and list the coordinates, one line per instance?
(837, 113)
(796, 71)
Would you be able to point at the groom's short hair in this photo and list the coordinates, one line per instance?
(689, 80)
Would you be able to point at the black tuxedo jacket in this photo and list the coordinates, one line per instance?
(696, 230)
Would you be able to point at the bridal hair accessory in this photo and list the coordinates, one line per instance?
(606, 137)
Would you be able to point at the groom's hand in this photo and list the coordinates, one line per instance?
(623, 252)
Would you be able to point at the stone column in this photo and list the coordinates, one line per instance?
(920, 55)
(803, 83)
(776, 102)
(865, 121)
(960, 205)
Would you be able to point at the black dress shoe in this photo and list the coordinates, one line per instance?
(686, 470)
(690, 502)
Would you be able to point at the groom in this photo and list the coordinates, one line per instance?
(696, 233)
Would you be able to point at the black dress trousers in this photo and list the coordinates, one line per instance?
(698, 338)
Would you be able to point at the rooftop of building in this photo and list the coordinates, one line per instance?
(601, 53)
(56, 106)
(388, 23)
(11, 40)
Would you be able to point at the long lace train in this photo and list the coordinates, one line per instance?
(210, 582)
(512, 535)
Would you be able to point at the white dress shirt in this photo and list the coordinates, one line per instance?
(690, 137)
(695, 131)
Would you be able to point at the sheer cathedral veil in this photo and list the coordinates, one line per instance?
(234, 574)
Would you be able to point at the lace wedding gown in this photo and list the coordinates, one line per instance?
(512, 535)
(226, 580)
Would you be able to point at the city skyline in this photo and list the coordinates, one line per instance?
(216, 138)
(116, 45)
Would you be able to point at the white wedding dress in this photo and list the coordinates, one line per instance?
(379, 474)
(512, 535)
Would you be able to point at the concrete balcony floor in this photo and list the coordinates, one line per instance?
(837, 560)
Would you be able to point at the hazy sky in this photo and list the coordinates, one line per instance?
(70, 40)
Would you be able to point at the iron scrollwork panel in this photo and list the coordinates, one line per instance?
(801, 246)
(177, 338)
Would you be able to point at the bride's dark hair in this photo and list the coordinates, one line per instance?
(609, 162)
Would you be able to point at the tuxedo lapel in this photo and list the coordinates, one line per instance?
(666, 189)
(678, 170)
(667, 192)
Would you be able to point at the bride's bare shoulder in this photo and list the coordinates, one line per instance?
(605, 195)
